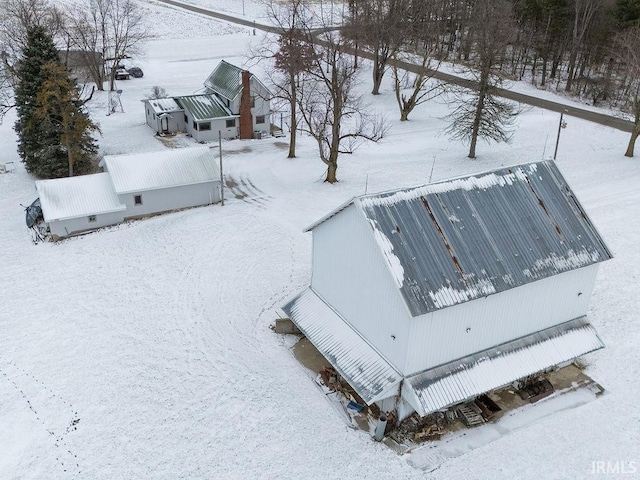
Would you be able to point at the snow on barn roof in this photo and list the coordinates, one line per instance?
(468, 377)
(226, 80)
(204, 107)
(73, 197)
(454, 241)
(372, 377)
(164, 105)
(163, 169)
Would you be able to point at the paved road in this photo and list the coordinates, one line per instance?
(603, 119)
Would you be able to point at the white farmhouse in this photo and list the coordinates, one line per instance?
(423, 298)
(235, 103)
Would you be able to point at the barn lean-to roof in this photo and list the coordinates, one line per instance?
(454, 241)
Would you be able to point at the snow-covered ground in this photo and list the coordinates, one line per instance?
(144, 351)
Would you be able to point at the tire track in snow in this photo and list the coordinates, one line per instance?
(46, 411)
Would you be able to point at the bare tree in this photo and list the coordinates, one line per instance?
(380, 27)
(114, 28)
(413, 89)
(583, 14)
(332, 112)
(485, 115)
(292, 53)
(16, 16)
(628, 50)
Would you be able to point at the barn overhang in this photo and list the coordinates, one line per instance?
(471, 376)
(369, 373)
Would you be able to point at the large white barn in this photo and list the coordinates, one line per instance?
(423, 298)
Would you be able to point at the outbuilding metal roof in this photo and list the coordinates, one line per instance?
(371, 376)
(204, 107)
(163, 169)
(476, 374)
(454, 241)
(164, 105)
(73, 197)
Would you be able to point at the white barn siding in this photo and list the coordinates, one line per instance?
(69, 226)
(497, 318)
(171, 198)
(349, 273)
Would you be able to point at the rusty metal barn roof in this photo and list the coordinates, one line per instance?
(450, 242)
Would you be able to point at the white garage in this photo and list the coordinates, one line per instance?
(155, 182)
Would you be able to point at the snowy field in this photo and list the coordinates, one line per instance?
(144, 351)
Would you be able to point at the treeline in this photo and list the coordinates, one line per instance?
(569, 45)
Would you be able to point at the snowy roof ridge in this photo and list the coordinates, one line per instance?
(161, 169)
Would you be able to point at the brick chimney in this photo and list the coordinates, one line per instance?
(246, 121)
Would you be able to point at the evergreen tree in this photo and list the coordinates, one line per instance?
(40, 128)
(60, 112)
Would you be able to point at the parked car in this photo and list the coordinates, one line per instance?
(122, 74)
(136, 72)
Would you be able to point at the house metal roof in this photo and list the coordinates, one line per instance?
(476, 374)
(204, 107)
(371, 376)
(454, 241)
(74, 197)
(164, 105)
(225, 80)
(163, 169)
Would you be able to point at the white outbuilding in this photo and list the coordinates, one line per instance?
(423, 298)
(155, 182)
(78, 204)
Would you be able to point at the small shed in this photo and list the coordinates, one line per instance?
(426, 297)
(164, 115)
(155, 182)
(78, 204)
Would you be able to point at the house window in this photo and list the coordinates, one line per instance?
(231, 123)
(92, 218)
(253, 101)
(148, 112)
(259, 118)
(137, 199)
(195, 125)
(204, 126)
(186, 120)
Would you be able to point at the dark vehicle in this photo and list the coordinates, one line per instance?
(33, 213)
(136, 72)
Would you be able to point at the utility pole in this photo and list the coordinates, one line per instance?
(221, 175)
(562, 124)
